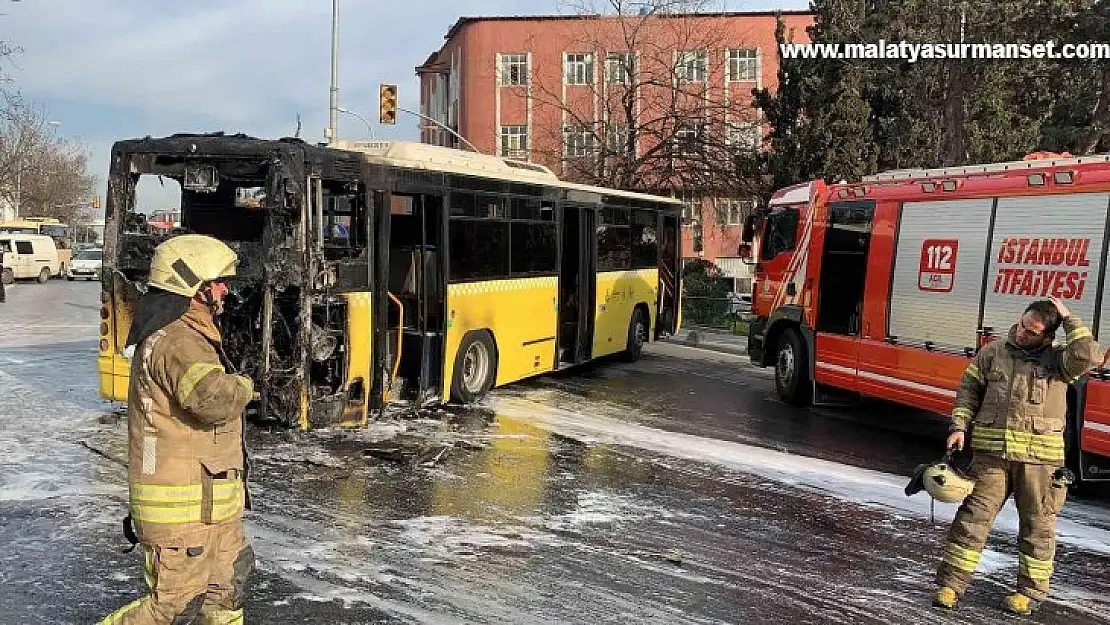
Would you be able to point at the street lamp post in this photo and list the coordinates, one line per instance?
(333, 105)
(369, 129)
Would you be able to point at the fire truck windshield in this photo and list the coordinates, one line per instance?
(779, 233)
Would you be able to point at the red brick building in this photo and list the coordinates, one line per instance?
(598, 98)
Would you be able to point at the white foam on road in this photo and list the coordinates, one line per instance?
(853, 484)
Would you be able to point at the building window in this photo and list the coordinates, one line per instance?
(579, 69)
(514, 142)
(745, 136)
(742, 64)
(687, 138)
(619, 68)
(691, 210)
(731, 212)
(578, 141)
(513, 70)
(619, 140)
(690, 65)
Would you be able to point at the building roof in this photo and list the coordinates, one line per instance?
(463, 21)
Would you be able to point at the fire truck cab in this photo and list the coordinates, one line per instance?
(888, 287)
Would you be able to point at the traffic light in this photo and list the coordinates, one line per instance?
(96, 202)
(387, 99)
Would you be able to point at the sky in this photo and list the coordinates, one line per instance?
(115, 69)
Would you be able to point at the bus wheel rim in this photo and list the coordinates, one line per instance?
(475, 367)
(785, 364)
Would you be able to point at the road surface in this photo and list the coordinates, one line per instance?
(673, 490)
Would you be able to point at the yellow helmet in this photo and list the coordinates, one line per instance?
(184, 263)
(945, 483)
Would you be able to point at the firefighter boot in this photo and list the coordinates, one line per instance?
(1021, 604)
(945, 597)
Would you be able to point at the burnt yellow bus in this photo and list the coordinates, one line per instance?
(374, 273)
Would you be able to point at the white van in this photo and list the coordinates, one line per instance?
(29, 256)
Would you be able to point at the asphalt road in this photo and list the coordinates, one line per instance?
(673, 490)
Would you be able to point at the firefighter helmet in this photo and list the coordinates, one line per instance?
(943, 481)
(184, 263)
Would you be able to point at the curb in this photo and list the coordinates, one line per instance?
(697, 340)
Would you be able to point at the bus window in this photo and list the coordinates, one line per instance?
(534, 248)
(479, 249)
(645, 243)
(155, 198)
(233, 212)
(614, 240)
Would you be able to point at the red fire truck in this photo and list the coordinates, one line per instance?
(888, 287)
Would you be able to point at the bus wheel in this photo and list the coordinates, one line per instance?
(475, 366)
(44, 275)
(637, 336)
(792, 368)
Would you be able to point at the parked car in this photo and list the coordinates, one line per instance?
(739, 304)
(86, 264)
(30, 256)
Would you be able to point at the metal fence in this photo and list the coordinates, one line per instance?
(724, 313)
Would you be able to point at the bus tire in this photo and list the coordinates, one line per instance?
(637, 336)
(475, 368)
(44, 275)
(792, 368)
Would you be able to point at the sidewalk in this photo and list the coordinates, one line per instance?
(711, 339)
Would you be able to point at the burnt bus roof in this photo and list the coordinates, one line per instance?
(218, 144)
(346, 159)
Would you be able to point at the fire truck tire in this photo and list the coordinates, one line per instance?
(475, 368)
(792, 368)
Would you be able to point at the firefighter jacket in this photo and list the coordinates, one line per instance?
(1016, 400)
(185, 425)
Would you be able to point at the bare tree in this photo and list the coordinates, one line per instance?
(642, 106)
(41, 173)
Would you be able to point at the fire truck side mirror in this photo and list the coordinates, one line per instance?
(748, 234)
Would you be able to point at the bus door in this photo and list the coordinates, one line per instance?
(669, 252)
(577, 284)
(415, 298)
(840, 301)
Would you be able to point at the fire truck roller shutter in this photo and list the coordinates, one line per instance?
(1045, 245)
(938, 271)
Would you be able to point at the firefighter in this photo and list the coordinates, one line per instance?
(185, 425)
(1013, 396)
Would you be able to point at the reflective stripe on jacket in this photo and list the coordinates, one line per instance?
(185, 424)
(1016, 400)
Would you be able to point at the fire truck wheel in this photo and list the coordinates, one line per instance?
(792, 368)
(475, 368)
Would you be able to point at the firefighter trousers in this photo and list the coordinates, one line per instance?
(1038, 501)
(203, 583)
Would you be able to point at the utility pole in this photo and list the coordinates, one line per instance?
(333, 108)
